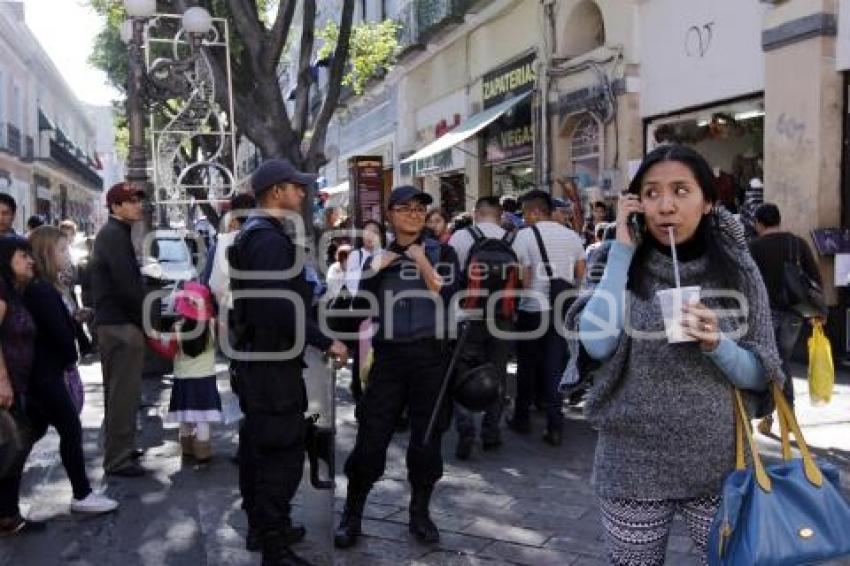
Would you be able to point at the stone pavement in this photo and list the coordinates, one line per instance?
(527, 504)
(531, 503)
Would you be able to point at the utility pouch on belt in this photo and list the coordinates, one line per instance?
(319, 442)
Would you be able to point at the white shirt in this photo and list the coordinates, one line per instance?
(335, 280)
(564, 248)
(220, 274)
(354, 267)
(462, 240)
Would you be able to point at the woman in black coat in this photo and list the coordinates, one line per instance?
(50, 403)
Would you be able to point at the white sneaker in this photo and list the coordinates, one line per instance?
(94, 503)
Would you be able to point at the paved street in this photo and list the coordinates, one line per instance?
(527, 504)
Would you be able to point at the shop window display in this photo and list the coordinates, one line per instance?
(513, 179)
(731, 137)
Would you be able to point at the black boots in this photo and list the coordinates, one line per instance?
(352, 515)
(421, 525)
(276, 551)
(291, 534)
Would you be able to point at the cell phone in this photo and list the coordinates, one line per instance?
(637, 227)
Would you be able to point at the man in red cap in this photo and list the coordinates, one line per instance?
(118, 298)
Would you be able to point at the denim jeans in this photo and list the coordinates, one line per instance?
(786, 327)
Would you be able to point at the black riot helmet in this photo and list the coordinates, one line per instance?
(478, 388)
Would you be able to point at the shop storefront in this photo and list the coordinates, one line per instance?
(442, 174)
(707, 91)
(505, 148)
(44, 198)
(731, 138)
(509, 140)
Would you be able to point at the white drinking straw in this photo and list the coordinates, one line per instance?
(675, 257)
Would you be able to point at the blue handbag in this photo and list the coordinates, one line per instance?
(786, 514)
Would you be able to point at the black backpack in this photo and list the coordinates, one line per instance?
(492, 266)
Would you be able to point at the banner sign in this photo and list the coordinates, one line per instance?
(511, 136)
(367, 178)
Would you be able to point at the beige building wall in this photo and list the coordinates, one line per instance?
(458, 63)
(622, 137)
(803, 128)
(514, 32)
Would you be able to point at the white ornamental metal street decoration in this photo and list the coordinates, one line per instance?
(184, 84)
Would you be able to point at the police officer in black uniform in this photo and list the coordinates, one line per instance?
(271, 392)
(410, 358)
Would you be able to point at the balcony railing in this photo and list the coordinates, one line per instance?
(70, 161)
(421, 20)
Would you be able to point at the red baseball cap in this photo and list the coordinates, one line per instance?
(120, 192)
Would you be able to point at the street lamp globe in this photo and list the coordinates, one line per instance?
(197, 20)
(140, 8)
(126, 31)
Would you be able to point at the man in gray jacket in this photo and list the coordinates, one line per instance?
(118, 299)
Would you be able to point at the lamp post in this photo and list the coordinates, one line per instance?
(196, 22)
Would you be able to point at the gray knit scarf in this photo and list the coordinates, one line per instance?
(664, 412)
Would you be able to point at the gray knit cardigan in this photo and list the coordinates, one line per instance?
(664, 411)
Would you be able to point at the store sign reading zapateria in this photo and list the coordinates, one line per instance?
(511, 136)
(512, 82)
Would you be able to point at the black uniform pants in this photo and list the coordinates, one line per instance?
(481, 347)
(540, 361)
(408, 374)
(271, 440)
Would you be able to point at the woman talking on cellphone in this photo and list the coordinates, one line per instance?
(663, 404)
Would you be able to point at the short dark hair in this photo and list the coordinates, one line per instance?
(508, 203)
(538, 199)
(34, 222)
(600, 204)
(9, 201)
(768, 215)
(461, 221)
(242, 201)
(488, 202)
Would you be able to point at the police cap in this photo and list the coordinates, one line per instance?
(407, 193)
(276, 171)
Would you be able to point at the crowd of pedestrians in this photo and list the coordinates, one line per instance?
(572, 299)
(39, 382)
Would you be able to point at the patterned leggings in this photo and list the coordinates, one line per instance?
(636, 531)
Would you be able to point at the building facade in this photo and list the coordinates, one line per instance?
(493, 97)
(48, 158)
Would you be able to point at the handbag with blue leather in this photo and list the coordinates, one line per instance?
(786, 514)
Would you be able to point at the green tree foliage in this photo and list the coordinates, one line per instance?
(374, 46)
(258, 41)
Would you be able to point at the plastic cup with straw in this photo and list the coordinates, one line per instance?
(673, 299)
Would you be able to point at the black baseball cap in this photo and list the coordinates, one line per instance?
(276, 171)
(407, 193)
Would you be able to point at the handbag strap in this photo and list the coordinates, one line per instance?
(789, 419)
(788, 424)
(543, 255)
(743, 429)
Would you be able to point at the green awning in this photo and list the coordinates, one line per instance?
(44, 122)
(466, 129)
